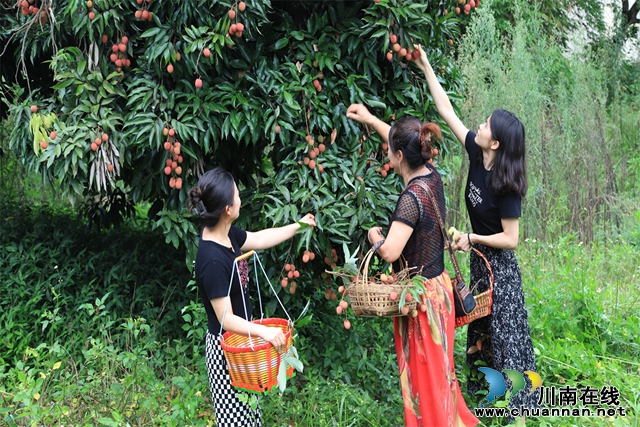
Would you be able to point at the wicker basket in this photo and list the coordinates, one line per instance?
(484, 299)
(253, 363)
(370, 297)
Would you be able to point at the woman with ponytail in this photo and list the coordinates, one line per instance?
(216, 202)
(496, 184)
(424, 340)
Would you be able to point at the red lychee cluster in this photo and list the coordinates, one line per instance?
(144, 14)
(342, 306)
(401, 52)
(308, 256)
(314, 152)
(236, 28)
(98, 141)
(172, 167)
(331, 262)
(31, 7)
(119, 53)
(467, 5)
(316, 82)
(289, 274)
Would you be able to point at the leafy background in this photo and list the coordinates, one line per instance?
(101, 317)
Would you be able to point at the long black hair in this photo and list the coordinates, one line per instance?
(215, 191)
(509, 172)
(413, 138)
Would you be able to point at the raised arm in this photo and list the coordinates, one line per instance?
(443, 104)
(359, 113)
(271, 237)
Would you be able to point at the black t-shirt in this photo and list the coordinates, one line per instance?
(214, 263)
(485, 207)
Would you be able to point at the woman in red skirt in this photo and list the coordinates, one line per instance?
(424, 340)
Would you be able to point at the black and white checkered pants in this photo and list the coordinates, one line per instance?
(230, 412)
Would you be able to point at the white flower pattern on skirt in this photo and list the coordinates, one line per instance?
(506, 340)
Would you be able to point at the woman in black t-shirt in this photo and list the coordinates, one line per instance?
(217, 203)
(493, 195)
(424, 339)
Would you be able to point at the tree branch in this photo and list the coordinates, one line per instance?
(631, 12)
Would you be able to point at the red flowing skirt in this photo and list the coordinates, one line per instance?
(424, 346)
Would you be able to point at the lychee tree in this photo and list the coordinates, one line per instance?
(148, 94)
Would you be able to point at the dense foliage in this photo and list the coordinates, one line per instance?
(141, 108)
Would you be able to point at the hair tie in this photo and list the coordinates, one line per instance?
(199, 209)
(425, 140)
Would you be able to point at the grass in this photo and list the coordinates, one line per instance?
(583, 315)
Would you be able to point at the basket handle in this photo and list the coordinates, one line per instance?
(486, 262)
(364, 270)
(245, 255)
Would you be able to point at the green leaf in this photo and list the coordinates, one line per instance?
(295, 363)
(151, 32)
(282, 376)
(281, 43)
(303, 227)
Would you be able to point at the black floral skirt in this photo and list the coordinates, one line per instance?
(504, 334)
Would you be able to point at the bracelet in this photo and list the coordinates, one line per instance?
(469, 238)
(377, 245)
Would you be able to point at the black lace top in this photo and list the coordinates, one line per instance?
(425, 248)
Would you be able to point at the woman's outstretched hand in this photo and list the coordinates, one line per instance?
(359, 113)
(421, 61)
(308, 219)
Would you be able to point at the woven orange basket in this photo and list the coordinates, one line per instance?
(253, 363)
(483, 299)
